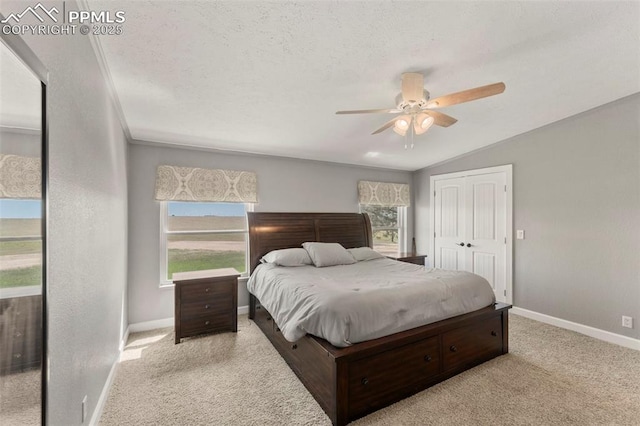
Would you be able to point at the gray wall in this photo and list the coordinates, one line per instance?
(87, 224)
(283, 185)
(576, 186)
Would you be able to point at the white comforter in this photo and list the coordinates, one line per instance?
(353, 303)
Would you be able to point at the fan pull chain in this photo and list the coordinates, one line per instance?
(413, 133)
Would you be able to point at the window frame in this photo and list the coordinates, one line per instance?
(401, 227)
(164, 233)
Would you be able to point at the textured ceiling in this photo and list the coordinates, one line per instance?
(267, 77)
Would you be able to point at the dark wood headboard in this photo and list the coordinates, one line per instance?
(272, 231)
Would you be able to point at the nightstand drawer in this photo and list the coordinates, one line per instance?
(205, 291)
(224, 303)
(206, 324)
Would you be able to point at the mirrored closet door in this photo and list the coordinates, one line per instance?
(22, 238)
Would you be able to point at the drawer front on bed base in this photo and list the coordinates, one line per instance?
(349, 384)
(375, 381)
(261, 316)
(311, 363)
(473, 344)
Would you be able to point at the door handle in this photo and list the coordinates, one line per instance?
(460, 244)
(468, 244)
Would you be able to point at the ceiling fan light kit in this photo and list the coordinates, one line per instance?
(415, 105)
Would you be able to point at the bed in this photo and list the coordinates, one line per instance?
(350, 382)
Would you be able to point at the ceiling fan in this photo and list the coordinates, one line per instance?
(416, 108)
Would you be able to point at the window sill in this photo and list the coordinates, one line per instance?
(11, 292)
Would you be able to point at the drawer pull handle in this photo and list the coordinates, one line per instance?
(206, 290)
(207, 306)
(207, 322)
(294, 347)
(452, 348)
(17, 356)
(427, 358)
(493, 333)
(364, 381)
(18, 334)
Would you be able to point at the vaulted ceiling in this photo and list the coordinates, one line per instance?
(267, 76)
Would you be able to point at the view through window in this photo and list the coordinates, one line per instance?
(20, 243)
(386, 224)
(200, 236)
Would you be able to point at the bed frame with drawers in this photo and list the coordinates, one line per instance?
(352, 382)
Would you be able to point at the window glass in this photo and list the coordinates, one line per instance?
(202, 236)
(20, 243)
(385, 227)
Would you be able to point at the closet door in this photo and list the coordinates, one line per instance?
(470, 224)
(485, 226)
(449, 224)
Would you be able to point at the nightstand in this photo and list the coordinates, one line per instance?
(417, 259)
(205, 302)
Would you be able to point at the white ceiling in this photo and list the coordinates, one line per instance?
(267, 77)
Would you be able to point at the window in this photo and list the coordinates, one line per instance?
(388, 226)
(197, 236)
(20, 245)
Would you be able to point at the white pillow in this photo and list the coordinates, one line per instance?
(328, 254)
(288, 257)
(364, 253)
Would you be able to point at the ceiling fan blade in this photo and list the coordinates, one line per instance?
(412, 86)
(385, 126)
(467, 95)
(369, 111)
(441, 119)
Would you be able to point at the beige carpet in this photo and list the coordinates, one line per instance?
(551, 377)
(20, 399)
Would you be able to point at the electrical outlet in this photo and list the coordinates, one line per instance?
(84, 408)
(627, 322)
(520, 234)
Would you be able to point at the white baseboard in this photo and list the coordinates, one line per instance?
(607, 336)
(151, 325)
(168, 322)
(123, 341)
(97, 412)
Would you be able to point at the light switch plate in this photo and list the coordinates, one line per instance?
(520, 234)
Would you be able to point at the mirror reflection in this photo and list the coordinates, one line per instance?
(21, 238)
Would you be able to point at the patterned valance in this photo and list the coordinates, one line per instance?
(383, 194)
(194, 184)
(20, 177)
